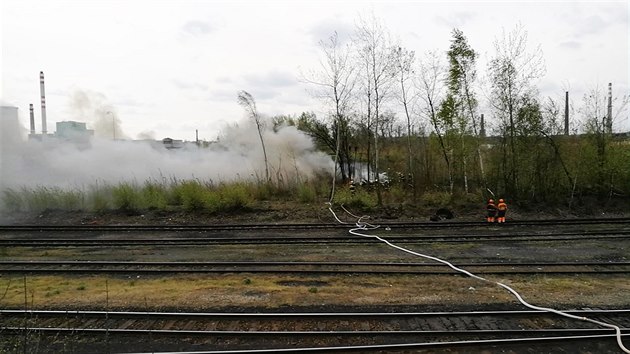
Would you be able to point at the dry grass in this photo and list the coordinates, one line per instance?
(270, 291)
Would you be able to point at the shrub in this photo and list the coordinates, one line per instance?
(360, 199)
(126, 197)
(306, 193)
(154, 196)
(436, 199)
(193, 196)
(233, 196)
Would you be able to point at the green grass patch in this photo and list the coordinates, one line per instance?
(361, 199)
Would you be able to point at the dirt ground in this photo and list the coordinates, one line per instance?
(292, 212)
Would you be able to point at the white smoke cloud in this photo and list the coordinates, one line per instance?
(237, 156)
(94, 109)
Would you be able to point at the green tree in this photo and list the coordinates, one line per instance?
(457, 111)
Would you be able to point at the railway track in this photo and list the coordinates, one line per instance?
(120, 331)
(157, 268)
(301, 331)
(308, 226)
(87, 241)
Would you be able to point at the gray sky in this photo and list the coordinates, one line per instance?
(167, 67)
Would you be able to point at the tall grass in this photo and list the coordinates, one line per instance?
(161, 195)
(43, 198)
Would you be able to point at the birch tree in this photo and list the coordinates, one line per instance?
(460, 107)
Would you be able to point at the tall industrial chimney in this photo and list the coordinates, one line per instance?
(609, 115)
(43, 94)
(30, 107)
(566, 113)
(482, 131)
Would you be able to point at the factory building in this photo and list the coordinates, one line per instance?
(9, 123)
(73, 131)
(9, 114)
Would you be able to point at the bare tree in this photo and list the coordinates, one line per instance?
(512, 72)
(246, 101)
(404, 61)
(431, 92)
(375, 52)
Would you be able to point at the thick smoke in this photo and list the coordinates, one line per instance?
(236, 156)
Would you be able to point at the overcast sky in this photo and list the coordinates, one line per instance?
(167, 67)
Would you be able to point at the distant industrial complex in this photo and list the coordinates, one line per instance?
(72, 131)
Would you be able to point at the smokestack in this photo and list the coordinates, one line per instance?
(482, 130)
(43, 94)
(30, 107)
(609, 115)
(566, 113)
(197, 137)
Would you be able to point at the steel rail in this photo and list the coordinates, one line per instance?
(149, 322)
(522, 337)
(110, 267)
(298, 271)
(398, 347)
(66, 242)
(473, 332)
(340, 267)
(300, 263)
(193, 315)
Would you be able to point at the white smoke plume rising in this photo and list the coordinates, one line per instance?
(237, 156)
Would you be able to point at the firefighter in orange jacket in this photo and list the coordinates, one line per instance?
(491, 208)
(502, 210)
